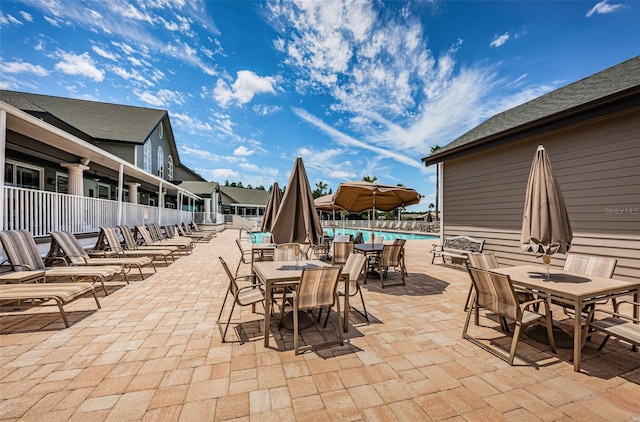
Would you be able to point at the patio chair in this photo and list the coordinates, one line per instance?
(494, 293)
(623, 326)
(351, 272)
(401, 242)
(65, 244)
(598, 266)
(341, 251)
(246, 255)
(143, 232)
(242, 296)
(316, 290)
(22, 255)
(39, 294)
(321, 250)
(109, 241)
(390, 257)
(131, 244)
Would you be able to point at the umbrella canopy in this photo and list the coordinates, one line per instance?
(297, 219)
(325, 203)
(273, 204)
(361, 196)
(545, 223)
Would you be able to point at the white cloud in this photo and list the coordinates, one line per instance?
(499, 40)
(103, 53)
(603, 8)
(224, 174)
(26, 16)
(162, 97)
(138, 23)
(243, 151)
(22, 67)
(9, 19)
(264, 110)
(242, 91)
(79, 64)
(191, 123)
(388, 93)
(347, 140)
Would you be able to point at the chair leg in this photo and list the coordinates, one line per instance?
(466, 302)
(514, 342)
(339, 315)
(364, 307)
(296, 334)
(472, 309)
(224, 302)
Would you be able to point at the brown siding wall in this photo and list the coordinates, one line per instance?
(597, 164)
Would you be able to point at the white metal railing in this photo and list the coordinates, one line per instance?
(41, 212)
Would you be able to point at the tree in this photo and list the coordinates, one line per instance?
(226, 182)
(434, 149)
(369, 179)
(320, 189)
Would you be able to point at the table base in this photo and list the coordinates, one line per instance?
(305, 320)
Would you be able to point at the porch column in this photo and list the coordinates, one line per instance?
(75, 177)
(133, 191)
(207, 210)
(3, 142)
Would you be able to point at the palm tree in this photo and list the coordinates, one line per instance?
(434, 149)
(371, 179)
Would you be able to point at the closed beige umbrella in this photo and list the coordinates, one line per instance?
(297, 220)
(273, 204)
(546, 228)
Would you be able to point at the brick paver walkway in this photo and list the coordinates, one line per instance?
(153, 352)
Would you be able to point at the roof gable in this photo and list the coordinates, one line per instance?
(235, 195)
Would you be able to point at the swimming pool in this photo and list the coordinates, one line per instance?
(366, 234)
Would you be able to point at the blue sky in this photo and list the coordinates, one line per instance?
(356, 88)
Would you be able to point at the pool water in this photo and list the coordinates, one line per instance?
(366, 234)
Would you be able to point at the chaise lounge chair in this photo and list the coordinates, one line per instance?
(65, 244)
(150, 241)
(109, 241)
(39, 294)
(130, 243)
(22, 255)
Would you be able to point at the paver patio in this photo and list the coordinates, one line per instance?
(153, 352)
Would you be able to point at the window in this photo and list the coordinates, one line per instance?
(160, 162)
(146, 156)
(62, 183)
(169, 167)
(23, 175)
(160, 130)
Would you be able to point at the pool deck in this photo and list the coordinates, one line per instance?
(153, 352)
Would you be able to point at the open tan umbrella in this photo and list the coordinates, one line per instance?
(297, 219)
(325, 203)
(273, 204)
(361, 196)
(545, 222)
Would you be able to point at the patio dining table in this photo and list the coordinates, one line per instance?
(282, 273)
(577, 290)
(369, 250)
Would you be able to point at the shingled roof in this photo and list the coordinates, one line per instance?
(100, 121)
(233, 195)
(597, 90)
